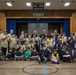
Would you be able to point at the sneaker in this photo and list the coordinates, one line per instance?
(39, 61)
(45, 61)
(58, 62)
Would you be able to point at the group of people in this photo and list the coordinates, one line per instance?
(42, 47)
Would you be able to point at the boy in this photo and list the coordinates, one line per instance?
(63, 48)
(19, 55)
(35, 55)
(37, 46)
(66, 56)
(47, 53)
(27, 53)
(55, 57)
(10, 55)
(41, 55)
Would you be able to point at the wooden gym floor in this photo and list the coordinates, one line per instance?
(34, 68)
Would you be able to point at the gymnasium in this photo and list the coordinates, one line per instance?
(37, 37)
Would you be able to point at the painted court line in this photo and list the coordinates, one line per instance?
(44, 68)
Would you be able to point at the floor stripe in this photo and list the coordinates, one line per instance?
(44, 68)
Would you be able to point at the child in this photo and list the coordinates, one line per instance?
(55, 57)
(37, 46)
(10, 55)
(35, 55)
(50, 41)
(47, 53)
(41, 55)
(27, 53)
(66, 56)
(63, 48)
(19, 55)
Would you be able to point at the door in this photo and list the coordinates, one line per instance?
(21, 27)
(55, 26)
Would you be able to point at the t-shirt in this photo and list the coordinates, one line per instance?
(55, 55)
(18, 54)
(49, 42)
(46, 53)
(34, 53)
(27, 54)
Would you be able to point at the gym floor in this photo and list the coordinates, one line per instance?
(34, 68)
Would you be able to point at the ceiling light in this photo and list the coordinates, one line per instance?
(47, 4)
(8, 3)
(28, 4)
(67, 4)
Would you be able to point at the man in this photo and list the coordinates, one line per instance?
(44, 34)
(35, 33)
(11, 33)
(9, 37)
(56, 34)
(64, 38)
